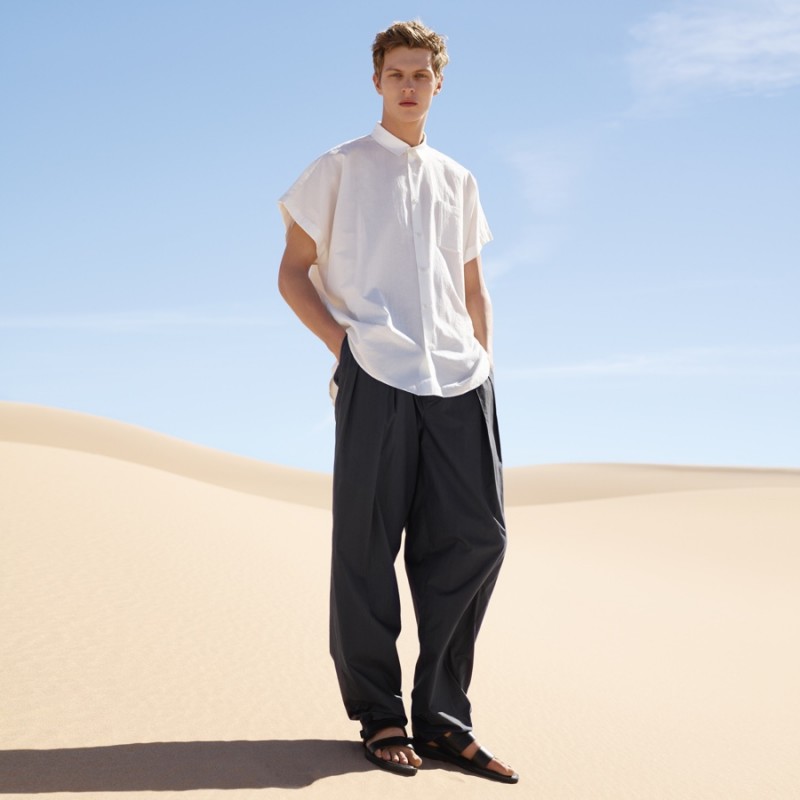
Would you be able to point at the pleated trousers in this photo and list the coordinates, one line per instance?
(430, 466)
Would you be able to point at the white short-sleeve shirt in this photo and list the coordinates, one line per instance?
(394, 226)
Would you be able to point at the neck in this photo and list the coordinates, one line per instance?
(412, 133)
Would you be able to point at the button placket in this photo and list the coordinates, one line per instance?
(421, 245)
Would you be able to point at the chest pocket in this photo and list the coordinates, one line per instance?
(449, 226)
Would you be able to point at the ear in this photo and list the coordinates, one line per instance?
(376, 81)
(439, 83)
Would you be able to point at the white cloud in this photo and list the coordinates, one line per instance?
(548, 170)
(533, 244)
(779, 360)
(133, 320)
(751, 46)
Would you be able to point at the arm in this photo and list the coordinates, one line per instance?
(297, 290)
(479, 306)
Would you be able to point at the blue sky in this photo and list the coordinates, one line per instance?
(638, 164)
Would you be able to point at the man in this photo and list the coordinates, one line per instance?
(382, 263)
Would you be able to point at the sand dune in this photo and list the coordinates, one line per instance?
(84, 433)
(552, 483)
(569, 483)
(163, 620)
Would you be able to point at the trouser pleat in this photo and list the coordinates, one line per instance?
(455, 543)
(373, 483)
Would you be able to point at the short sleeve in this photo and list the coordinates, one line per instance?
(311, 201)
(476, 228)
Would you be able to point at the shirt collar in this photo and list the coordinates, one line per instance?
(395, 145)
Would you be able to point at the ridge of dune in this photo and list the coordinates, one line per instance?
(570, 483)
(72, 430)
(533, 485)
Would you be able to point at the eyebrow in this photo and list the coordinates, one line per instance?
(400, 69)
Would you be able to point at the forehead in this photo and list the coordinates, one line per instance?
(408, 59)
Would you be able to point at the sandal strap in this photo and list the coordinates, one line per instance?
(389, 741)
(458, 741)
(482, 757)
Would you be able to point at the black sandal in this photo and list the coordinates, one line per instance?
(449, 748)
(391, 766)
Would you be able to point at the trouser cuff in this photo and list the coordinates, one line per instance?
(369, 729)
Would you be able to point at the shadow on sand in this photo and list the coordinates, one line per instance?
(177, 766)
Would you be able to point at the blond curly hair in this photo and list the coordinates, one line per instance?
(410, 34)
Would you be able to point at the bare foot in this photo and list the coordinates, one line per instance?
(397, 753)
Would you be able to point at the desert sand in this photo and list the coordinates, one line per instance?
(163, 619)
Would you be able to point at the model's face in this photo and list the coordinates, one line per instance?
(407, 84)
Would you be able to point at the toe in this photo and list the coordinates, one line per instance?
(396, 754)
(501, 767)
(495, 764)
(399, 756)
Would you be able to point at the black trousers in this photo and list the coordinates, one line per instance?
(431, 466)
